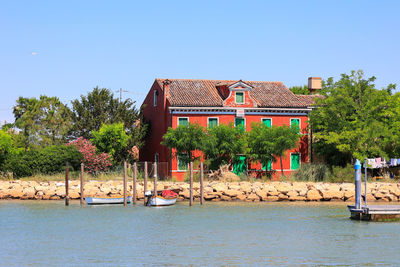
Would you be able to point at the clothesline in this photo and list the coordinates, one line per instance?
(378, 163)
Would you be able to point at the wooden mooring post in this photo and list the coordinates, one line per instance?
(125, 202)
(145, 182)
(201, 183)
(66, 184)
(82, 183)
(155, 178)
(134, 183)
(191, 184)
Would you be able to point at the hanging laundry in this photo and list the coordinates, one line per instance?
(371, 163)
(378, 163)
(393, 162)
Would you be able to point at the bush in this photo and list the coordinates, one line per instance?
(48, 160)
(312, 172)
(342, 174)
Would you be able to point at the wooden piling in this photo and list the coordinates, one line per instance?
(82, 184)
(145, 182)
(155, 178)
(201, 183)
(191, 184)
(134, 183)
(66, 184)
(125, 202)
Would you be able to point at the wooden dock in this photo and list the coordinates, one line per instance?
(376, 213)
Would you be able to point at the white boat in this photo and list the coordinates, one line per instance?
(159, 200)
(106, 200)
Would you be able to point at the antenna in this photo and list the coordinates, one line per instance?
(120, 94)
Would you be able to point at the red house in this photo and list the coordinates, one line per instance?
(173, 102)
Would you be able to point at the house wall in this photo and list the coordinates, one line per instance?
(277, 120)
(159, 119)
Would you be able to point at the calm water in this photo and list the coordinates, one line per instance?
(48, 233)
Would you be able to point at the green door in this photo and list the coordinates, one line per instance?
(294, 161)
(268, 167)
(239, 165)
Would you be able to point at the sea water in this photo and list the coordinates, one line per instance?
(38, 233)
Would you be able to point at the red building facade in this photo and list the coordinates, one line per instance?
(171, 102)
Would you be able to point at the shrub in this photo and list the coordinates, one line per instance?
(342, 174)
(311, 172)
(49, 160)
(94, 163)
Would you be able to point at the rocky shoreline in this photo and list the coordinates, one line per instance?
(213, 191)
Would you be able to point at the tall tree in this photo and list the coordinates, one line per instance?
(100, 107)
(43, 121)
(355, 120)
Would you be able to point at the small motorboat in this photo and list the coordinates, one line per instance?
(166, 198)
(106, 200)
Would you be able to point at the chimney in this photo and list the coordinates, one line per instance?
(314, 85)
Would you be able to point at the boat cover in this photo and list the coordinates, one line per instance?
(168, 194)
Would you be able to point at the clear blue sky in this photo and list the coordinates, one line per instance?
(65, 48)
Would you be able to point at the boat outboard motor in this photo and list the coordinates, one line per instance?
(148, 194)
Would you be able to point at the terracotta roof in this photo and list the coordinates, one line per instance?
(204, 93)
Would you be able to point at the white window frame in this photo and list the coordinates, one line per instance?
(244, 100)
(155, 96)
(177, 122)
(290, 125)
(208, 120)
(266, 119)
(291, 160)
(234, 123)
(177, 165)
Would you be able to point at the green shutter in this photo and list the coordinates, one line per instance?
(182, 166)
(183, 121)
(269, 166)
(294, 161)
(267, 122)
(295, 123)
(239, 97)
(212, 122)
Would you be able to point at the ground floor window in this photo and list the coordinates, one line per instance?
(182, 165)
(294, 161)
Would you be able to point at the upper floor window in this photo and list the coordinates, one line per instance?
(295, 123)
(239, 97)
(212, 122)
(183, 121)
(267, 121)
(155, 98)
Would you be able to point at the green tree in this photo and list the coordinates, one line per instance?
(27, 114)
(300, 90)
(222, 144)
(100, 107)
(185, 140)
(6, 145)
(355, 120)
(112, 139)
(268, 143)
(261, 143)
(44, 121)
